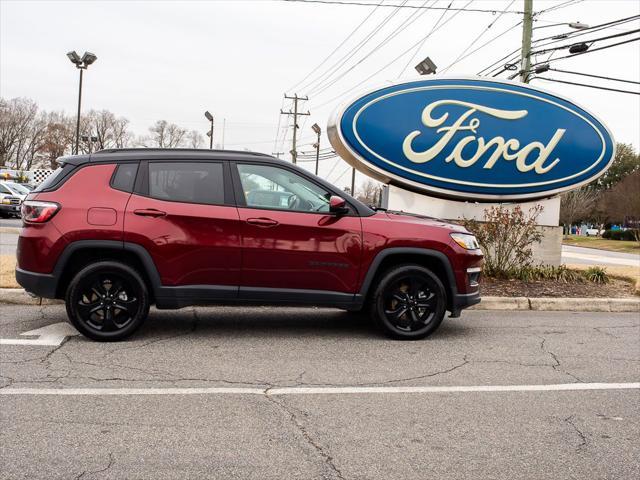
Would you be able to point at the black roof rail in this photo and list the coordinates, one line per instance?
(155, 149)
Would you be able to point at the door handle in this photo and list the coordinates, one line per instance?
(150, 212)
(262, 222)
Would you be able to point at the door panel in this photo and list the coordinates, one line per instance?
(301, 251)
(181, 215)
(191, 244)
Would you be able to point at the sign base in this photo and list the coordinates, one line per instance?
(547, 252)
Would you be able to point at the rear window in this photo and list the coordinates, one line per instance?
(55, 178)
(124, 177)
(191, 182)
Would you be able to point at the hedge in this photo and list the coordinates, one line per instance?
(620, 234)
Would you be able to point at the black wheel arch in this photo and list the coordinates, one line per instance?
(434, 260)
(80, 253)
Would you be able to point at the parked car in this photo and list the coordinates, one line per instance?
(593, 232)
(9, 203)
(16, 189)
(119, 230)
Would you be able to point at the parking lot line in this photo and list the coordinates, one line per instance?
(320, 390)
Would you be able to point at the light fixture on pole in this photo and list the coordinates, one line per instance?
(316, 128)
(81, 63)
(426, 67)
(210, 132)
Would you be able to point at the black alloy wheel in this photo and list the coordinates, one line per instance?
(107, 301)
(409, 302)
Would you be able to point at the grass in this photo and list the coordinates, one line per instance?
(616, 271)
(623, 246)
(7, 271)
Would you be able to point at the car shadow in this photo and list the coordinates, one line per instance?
(269, 322)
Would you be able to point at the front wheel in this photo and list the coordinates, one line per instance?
(409, 302)
(107, 301)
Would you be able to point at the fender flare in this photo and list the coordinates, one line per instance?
(138, 250)
(426, 252)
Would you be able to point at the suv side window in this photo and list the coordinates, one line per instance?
(5, 190)
(274, 188)
(190, 182)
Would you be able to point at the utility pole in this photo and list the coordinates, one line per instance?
(296, 114)
(525, 56)
(277, 154)
(316, 128)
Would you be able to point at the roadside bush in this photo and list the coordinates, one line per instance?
(547, 272)
(630, 235)
(597, 275)
(506, 237)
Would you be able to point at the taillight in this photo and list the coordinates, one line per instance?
(38, 212)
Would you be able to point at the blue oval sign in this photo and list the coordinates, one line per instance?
(472, 139)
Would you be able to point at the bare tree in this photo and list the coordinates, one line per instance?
(195, 139)
(576, 205)
(58, 137)
(16, 117)
(370, 193)
(166, 135)
(623, 201)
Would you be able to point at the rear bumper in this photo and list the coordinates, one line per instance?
(40, 284)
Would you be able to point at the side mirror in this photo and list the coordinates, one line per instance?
(338, 205)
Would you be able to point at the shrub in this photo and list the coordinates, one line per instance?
(547, 272)
(506, 236)
(621, 234)
(596, 275)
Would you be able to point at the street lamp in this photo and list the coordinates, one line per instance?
(89, 139)
(81, 63)
(210, 132)
(316, 128)
(426, 67)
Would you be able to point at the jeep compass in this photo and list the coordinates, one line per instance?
(117, 231)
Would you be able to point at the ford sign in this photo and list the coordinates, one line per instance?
(472, 139)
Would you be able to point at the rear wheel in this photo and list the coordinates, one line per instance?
(409, 302)
(107, 301)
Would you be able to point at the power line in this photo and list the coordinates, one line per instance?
(561, 5)
(591, 40)
(556, 39)
(424, 40)
(407, 22)
(473, 42)
(338, 47)
(587, 85)
(591, 50)
(595, 76)
(310, 87)
(463, 9)
(392, 61)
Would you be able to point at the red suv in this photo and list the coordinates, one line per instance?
(119, 230)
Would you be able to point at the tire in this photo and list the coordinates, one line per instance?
(94, 311)
(409, 302)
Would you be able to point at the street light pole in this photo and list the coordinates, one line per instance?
(210, 134)
(316, 128)
(78, 116)
(81, 63)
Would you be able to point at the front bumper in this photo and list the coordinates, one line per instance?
(40, 284)
(10, 209)
(462, 301)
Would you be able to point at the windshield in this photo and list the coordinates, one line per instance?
(17, 188)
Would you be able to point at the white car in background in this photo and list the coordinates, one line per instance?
(593, 232)
(16, 190)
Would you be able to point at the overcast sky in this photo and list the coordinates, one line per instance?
(173, 60)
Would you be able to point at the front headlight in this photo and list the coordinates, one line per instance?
(466, 240)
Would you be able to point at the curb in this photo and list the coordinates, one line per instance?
(13, 230)
(17, 296)
(560, 304)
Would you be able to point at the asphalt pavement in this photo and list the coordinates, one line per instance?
(312, 393)
(593, 256)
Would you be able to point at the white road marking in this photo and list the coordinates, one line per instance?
(51, 335)
(320, 390)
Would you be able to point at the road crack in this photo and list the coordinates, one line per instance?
(557, 366)
(328, 460)
(92, 472)
(581, 434)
